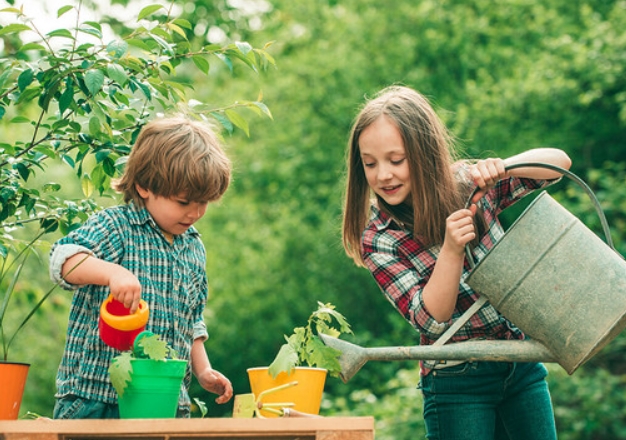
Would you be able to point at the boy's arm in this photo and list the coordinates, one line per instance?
(82, 268)
(208, 378)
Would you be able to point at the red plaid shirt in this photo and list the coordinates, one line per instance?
(402, 265)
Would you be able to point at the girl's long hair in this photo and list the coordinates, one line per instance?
(435, 191)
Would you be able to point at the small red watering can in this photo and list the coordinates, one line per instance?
(118, 327)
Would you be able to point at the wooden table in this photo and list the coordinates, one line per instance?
(322, 428)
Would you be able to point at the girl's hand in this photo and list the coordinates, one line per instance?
(459, 230)
(486, 173)
(125, 287)
(215, 382)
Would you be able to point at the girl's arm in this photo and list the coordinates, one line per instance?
(551, 156)
(82, 268)
(441, 291)
(486, 173)
(208, 378)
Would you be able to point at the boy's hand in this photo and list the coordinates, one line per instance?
(125, 287)
(215, 382)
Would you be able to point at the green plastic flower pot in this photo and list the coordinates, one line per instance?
(154, 389)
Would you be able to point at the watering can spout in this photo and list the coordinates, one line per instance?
(353, 357)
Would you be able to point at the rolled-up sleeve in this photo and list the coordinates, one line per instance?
(58, 256)
(402, 279)
(200, 331)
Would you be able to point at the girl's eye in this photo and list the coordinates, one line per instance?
(368, 165)
(397, 162)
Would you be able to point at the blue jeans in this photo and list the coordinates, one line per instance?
(74, 407)
(488, 401)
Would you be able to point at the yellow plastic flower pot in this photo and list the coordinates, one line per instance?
(306, 396)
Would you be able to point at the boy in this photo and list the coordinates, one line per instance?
(144, 249)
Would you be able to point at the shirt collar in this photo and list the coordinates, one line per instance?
(139, 215)
(379, 219)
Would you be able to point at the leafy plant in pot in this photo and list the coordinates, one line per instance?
(305, 359)
(148, 378)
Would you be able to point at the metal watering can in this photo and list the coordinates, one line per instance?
(549, 275)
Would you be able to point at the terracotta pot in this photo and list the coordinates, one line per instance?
(12, 382)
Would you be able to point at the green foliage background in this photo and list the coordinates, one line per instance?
(505, 75)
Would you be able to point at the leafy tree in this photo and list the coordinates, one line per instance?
(72, 96)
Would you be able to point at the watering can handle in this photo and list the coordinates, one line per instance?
(470, 258)
(565, 172)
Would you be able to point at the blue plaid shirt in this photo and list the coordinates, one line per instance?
(402, 266)
(173, 282)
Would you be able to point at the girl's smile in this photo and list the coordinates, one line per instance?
(384, 161)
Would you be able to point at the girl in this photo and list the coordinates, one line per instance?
(412, 238)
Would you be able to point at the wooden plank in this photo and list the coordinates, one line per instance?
(322, 428)
(345, 435)
(28, 436)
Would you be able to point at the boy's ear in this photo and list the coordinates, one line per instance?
(143, 193)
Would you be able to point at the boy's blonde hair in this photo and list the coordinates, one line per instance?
(176, 156)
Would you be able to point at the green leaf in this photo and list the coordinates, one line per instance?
(94, 126)
(177, 29)
(25, 79)
(20, 120)
(51, 187)
(120, 372)
(201, 406)
(94, 80)
(87, 185)
(31, 46)
(286, 360)
(224, 122)
(319, 353)
(226, 60)
(117, 49)
(13, 28)
(260, 109)
(117, 74)
(144, 88)
(201, 63)
(183, 23)
(63, 33)
(108, 165)
(167, 47)
(148, 10)
(22, 170)
(4, 76)
(154, 347)
(63, 10)
(90, 31)
(243, 47)
(66, 99)
(98, 176)
(93, 24)
(238, 120)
